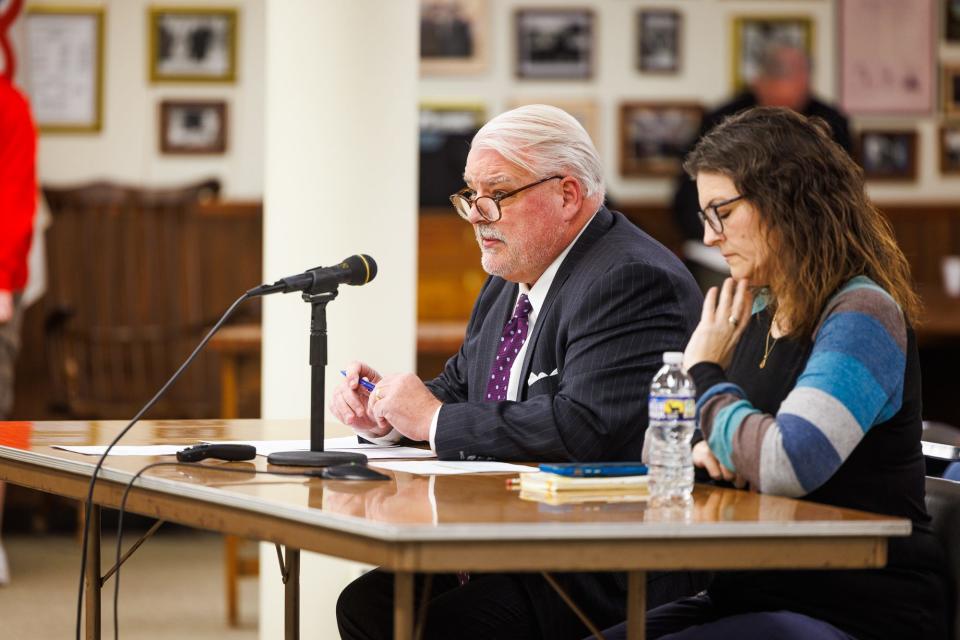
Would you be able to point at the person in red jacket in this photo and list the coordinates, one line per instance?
(18, 202)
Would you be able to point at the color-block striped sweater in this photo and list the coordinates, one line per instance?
(852, 381)
(833, 418)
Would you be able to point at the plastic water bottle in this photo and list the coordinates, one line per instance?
(672, 412)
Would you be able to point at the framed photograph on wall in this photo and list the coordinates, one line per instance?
(951, 21)
(453, 36)
(659, 40)
(554, 44)
(64, 68)
(193, 126)
(446, 130)
(654, 136)
(886, 56)
(950, 89)
(888, 155)
(585, 111)
(752, 35)
(193, 44)
(950, 148)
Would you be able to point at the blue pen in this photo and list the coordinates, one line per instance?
(366, 384)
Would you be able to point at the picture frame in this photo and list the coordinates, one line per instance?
(585, 111)
(453, 36)
(446, 129)
(554, 44)
(888, 155)
(950, 148)
(951, 21)
(897, 78)
(193, 127)
(193, 44)
(655, 135)
(950, 89)
(753, 34)
(64, 68)
(659, 41)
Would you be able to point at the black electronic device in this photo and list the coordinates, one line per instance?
(230, 452)
(352, 472)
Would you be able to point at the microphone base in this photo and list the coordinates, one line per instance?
(315, 458)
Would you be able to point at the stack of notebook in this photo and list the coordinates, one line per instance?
(553, 488)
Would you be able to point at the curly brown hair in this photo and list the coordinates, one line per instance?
(816, 216)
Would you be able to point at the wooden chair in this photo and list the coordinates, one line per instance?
(136, 277)
(124, 300)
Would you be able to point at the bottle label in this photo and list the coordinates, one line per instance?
(672, 408)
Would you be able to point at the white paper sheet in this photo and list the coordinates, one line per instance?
(372, 451)
(127, 450)
(264, 448)
(449, 468)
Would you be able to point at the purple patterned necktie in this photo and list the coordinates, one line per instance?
(514, 335)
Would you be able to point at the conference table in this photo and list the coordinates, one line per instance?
(429, 524)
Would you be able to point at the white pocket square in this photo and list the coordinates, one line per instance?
(539, 376)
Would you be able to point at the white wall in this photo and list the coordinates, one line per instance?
(127, 147)
(704, 77)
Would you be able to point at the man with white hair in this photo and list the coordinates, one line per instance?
(564, 338)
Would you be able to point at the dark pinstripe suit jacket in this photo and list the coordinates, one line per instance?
(619, 300)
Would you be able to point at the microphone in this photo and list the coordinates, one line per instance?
(356, 270)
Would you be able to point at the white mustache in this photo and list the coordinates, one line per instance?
(486, 233)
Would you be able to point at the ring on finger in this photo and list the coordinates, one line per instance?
(378, 394)
(733, 321)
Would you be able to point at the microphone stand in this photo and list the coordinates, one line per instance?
(317, 457)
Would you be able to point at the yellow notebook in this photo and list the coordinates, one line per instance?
(579, 497)
(553, 483)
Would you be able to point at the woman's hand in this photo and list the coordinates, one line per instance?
(722, 322)
(703, 457)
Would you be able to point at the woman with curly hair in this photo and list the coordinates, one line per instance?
(808, 382)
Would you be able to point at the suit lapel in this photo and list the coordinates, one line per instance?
(597, 228)
(490, 334)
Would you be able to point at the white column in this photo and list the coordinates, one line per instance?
(341, 178)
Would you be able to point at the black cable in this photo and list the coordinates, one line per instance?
(93, 478)
(123, 506)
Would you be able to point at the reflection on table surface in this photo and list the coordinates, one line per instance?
(405, 499)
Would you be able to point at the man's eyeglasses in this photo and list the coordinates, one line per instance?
(711, 215)
(487, 206)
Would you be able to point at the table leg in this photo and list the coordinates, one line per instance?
(231, 560)
(92, 578)
(292, 594)
(403, 606)
(636, 605)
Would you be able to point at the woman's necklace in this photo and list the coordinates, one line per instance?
(768, 346)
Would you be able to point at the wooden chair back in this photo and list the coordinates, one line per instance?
(124, 298)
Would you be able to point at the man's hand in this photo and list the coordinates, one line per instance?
(403, 402)
(6, 306)
(349, 401)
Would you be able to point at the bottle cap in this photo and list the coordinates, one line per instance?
(673, 357)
